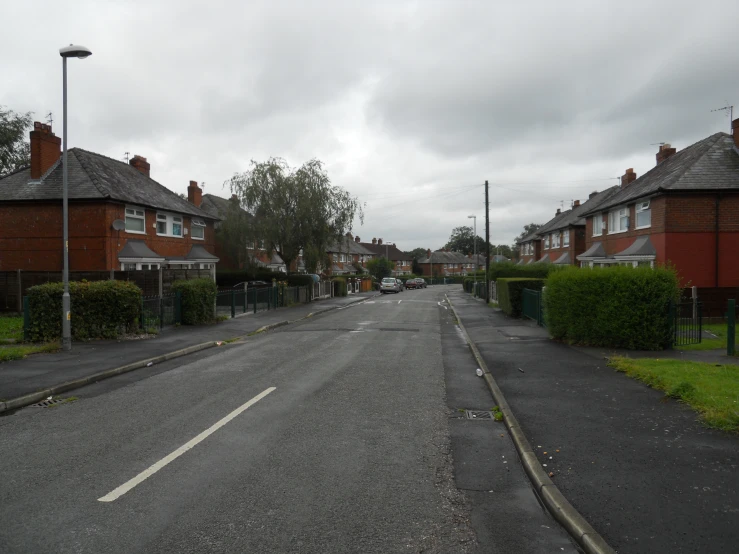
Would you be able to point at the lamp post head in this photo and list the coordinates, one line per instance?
(74, 51)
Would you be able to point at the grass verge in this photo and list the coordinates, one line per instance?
(8, 353)
(11, 327)
(710, 389)
(718, 329)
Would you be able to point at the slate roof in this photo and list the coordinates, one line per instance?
(94, 176)
(596, 250)
(136, 249)
(392, 251)
(553, 223)
(642, 246)
(198, 252)
(528, 238)
(349, 246)
(711, 164)
(441, 257)
(564, 259)
(544, 260)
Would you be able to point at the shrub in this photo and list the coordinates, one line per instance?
(510, 293)
(299, 280)
(616, 307)
(99, 309)
(340, 288)
(532, 271)
(198, 300)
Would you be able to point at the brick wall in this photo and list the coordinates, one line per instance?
(31, 236)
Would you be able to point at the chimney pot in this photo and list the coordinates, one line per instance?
(379, 241)
(195, 194)
(140, 163)
(665, 151)
(559, 211)
(46, 149)
(374, 240)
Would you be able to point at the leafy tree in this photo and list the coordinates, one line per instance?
(15, 152)
(462, 240)
(502, 249)
(416, 268)
(296, 209)
(235, 233)
(527, 230)
(380, 267)
(416, 253)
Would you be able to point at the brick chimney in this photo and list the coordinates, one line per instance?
(576, 203)
(356, 239)
(559, 211)
(379, 242)
(735, 131)
(46, 148)
(428, 253)
(374, 241)
(629, 176)
(665, 151)
(140, 163)
(595, 192)
(194, 194)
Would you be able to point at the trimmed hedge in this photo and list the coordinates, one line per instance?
(198, 300)
(532, 271)
(228, 278)
(510, 295)
(298, 280)
(340, 287)
(99, 309)
(615, 307)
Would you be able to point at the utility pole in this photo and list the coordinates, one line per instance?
(487, 245)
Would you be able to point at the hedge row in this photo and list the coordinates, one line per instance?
(533, 270)
(228, 278)
(510, 293)
(340, 287)
(99, 309)
(198, 300)
(617, 307)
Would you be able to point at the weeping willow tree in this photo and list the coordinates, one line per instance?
(295, 209)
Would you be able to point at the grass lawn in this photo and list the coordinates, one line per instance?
(712, 390)
(11, 327)
(718, 329)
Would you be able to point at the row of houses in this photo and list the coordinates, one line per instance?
(122, 219)
(683, 212)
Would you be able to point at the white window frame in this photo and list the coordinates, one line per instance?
(555, 240)
(615, 219)
(546, 242)
(642, 208)
(170, 220)
(566, 237)
(197, 224)
(138, 214)
(598, 229)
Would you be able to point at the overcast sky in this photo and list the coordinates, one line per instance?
(411, 105)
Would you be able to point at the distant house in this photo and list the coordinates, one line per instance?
(444, 263)
(684, 211)
(119, 217)
(403, 262)
(347, 255)
(529, 248)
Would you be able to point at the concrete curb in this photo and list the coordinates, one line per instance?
(575, 524)
(25, 400)
(32, 398)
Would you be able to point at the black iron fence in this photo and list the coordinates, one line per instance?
(687, 322)
(158, 312)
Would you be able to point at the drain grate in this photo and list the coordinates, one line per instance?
(478, 414)
(48, 403)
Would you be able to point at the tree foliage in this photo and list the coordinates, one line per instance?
(15, 152)
(463, 240)
(295, 209)
(235, 233)
(380, 268)
(527, 230)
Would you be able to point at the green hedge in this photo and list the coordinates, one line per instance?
(298, 280)
(532, 271)
(228, 278)
(198, 300)
(340, 288)
(615, 307)
(510, 293)
(99, 309)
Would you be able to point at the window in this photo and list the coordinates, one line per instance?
(169, 225)
(546, 242)
(197, 229)
(250, 245)
(135, 222)
(129, 267)
(597, 225)
(555, 240)
(336, 257)
(618, 221)
(177, 226)
(566, 237)
(643, 215)
(161, 224)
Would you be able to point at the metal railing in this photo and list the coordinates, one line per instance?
(687, 322)
(160, 311)
(532, 306)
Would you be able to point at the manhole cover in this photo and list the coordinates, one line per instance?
(478, 414)
(47, 403)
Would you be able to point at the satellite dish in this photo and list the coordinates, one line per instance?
(119, 225)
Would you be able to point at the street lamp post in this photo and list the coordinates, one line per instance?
(71, 51)
(474, 246)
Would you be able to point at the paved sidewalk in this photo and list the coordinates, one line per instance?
(41, 371)
(645, 474)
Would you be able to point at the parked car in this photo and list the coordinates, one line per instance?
(389, 284)
(410, 284)
(421, 283)
(400, 284)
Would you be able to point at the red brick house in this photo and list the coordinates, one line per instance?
(347, 254)
(529, 248)
(684, 211)
(403, 262)
(443, 263)
(119, 217)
